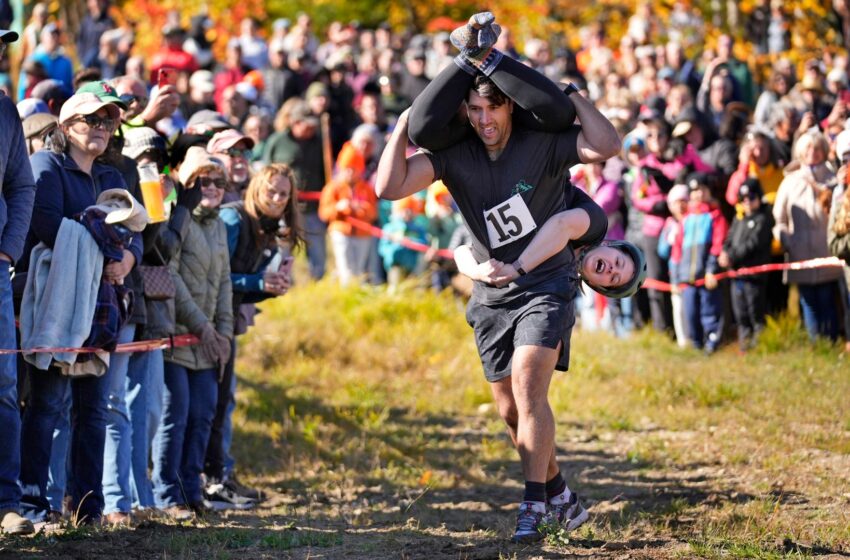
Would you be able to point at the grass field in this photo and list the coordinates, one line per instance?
(366, 417)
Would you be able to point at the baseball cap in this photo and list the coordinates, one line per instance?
(8, 36)
(698, 179)
(104, 91)
(677, 193)
(38, 124)
(31, 106)
(207, 118)
(226, 139)
(666, 73)
(749, 190)
(120, 207)
(316, 89)
(140, 139)
(300, 112)
(197, 160)
(202, 80)
(86, 104)
(686, 120)
(247, 91)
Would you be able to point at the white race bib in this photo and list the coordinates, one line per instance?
(508, 221)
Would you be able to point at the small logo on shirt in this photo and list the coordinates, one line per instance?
(521, 187)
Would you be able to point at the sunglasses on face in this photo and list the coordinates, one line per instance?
(129, 99)
(237, 153)
(218, 183)
(94, 121)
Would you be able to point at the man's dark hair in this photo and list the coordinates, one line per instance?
(485, 87)
(86, 75)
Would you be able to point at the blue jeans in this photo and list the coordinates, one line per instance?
(219, 463)
(180, 446)
(818, 304)
(10, 416)
(57, 474)
(704, 315)
(315, 232)
(88, 431)
(144, 399)
(117, 449)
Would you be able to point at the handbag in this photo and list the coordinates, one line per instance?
(157, 282)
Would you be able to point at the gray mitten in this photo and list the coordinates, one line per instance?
(475, 41)
(208, 346)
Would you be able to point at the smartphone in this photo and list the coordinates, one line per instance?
(166, 77)
(286, 265)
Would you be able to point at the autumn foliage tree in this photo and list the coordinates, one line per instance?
(815, 25)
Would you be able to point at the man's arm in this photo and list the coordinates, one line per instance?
(18, 189)
(399, 176)
(598, 139)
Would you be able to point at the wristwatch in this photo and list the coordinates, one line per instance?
(518, 267)
(571, 89)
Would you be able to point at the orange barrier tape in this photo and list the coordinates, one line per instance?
(137, 346)
(409, 243)
(313, 196)
(824, 262)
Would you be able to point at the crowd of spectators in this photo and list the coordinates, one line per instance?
(272, 149)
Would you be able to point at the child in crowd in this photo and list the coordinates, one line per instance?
(700, 242)
(749, 244)
(677, 202)
(400, 261)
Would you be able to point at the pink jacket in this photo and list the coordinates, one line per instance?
(649, 197)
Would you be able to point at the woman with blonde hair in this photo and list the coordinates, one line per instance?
(262, 231)
(801, 213)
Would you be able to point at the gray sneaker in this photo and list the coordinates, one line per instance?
(528, 524)
(570, 515)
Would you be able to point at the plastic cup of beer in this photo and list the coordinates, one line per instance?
(152, 192)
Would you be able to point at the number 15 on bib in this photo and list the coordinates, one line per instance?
(509, 221)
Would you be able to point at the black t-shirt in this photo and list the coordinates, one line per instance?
(535, 166)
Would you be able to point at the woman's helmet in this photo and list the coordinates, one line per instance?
(631, 287)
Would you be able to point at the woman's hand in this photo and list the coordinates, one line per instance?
(115, 272)
(276, 283)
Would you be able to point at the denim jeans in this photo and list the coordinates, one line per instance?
(144, 396)
(315, 232)
(218, 463)
(10, 416)
(818, 304)
(57, 474)
(180, 446)
(704, 315)
(117, 448)
(88, 431)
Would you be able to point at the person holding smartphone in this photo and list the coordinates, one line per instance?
(262, 230)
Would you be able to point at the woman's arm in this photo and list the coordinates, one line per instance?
(488, 272)
(558, 230)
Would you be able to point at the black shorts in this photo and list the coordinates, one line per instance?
(531, 319)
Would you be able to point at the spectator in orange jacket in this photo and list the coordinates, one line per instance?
(349, 195)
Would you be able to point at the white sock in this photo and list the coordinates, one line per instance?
(562, 498)
(539, 507)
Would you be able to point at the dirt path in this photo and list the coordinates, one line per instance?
(637, 511)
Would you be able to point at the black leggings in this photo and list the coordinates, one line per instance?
(436, 122)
